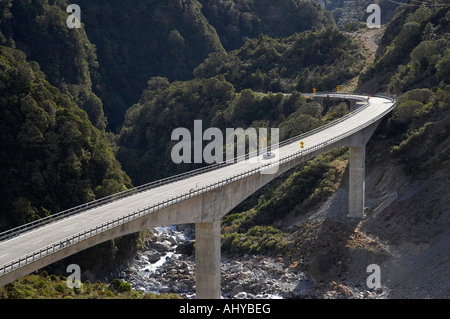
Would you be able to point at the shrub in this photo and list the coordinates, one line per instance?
(119, 286)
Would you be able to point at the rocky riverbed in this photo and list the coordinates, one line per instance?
(168, 266)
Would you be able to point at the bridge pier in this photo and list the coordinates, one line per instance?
(357, 183)
(357, 171)
(207, 259)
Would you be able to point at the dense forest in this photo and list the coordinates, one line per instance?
(143, 39)
(237, 21)
(66, 56)
(319, 59)
(49, 148)
(89, 112)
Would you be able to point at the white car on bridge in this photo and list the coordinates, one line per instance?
(268, 155)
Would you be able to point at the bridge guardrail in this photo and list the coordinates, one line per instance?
(6, 268)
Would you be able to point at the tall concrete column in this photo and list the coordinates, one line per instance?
(207, 259)
(357, 182)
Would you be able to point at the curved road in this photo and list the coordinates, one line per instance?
(41, 237)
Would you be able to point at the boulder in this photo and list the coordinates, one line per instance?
(152, 255)
(163, 246)
(186, 248)
(172, 240)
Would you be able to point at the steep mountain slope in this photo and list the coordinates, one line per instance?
(236, 21)
(413, 52)
(143, 39)
(105, 64)
(171, 38)
(52, 157)
(319, 59)
(66, 56)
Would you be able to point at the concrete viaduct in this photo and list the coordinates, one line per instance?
(202, 197)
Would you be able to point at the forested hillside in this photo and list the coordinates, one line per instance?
(141, 39)
(101, 58)
(414, 63)
(52, 157)
(62, 89)
(54, 151)
(66, 56)
(236, 21)
(319, 59)
(413, 52)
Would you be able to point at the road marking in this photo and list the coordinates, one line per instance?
(37, 241)
(4, 255)
(69, 229)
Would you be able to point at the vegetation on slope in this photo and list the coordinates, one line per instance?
(417, 69)
(237, 21)
(319, 59)
(66, 56)
(255, 230)
(414, 52)
(44, 286)
(141, 39)
(49, 148)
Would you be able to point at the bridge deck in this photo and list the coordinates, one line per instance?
(44, 236)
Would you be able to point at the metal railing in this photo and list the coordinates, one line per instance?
(6, 268)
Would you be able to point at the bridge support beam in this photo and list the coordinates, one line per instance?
(357, 182)
(357, 169)
(207, 259)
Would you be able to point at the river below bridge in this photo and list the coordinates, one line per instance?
(168, 266)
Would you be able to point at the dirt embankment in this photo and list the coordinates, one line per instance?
(370, 39)
(408, 240)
